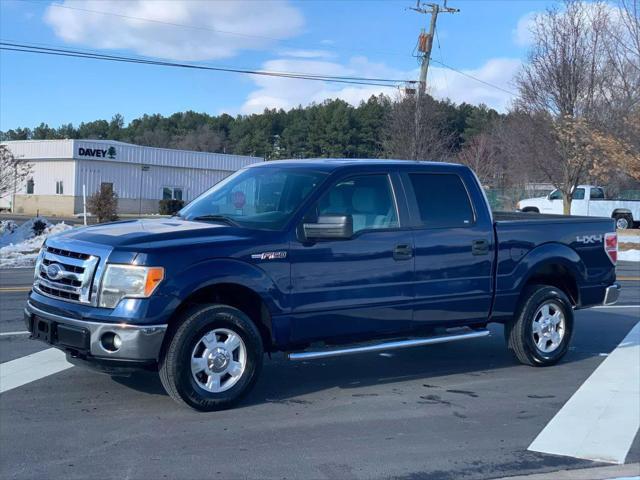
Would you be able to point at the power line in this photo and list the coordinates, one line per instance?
(461, 72)
(25, 48)
(227, 32)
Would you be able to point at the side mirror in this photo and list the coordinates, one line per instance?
(330, 226)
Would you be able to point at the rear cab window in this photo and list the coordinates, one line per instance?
(442, 200)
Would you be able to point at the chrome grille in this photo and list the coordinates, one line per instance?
(66, 274)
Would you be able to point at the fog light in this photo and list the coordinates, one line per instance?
(111, 342)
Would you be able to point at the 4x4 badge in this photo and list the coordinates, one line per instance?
(269, 255)
(589, 239)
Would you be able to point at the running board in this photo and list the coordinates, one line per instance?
(378, 347)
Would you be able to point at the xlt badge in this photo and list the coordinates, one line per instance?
(269, 255)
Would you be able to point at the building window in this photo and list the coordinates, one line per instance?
(59, 188)
(172, 193)
(30, 186)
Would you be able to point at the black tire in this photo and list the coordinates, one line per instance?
(623, 217)
(519, 332)
(175, 362)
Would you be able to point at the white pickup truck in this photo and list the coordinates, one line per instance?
(587, 201)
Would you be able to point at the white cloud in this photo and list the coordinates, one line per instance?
(300, 53)
(273, 92)
(460, 88)
(522, 35)
(253, 24)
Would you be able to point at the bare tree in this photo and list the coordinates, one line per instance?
(564, 79)
(432, 142)
(13, 171)
(481, 154)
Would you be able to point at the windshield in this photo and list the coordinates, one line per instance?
(255, 197)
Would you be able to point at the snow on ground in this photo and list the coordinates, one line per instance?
(629, 238)
(629, 255)
(19, 247)
(629, 246)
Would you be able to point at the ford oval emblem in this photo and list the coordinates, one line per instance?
(55, 271)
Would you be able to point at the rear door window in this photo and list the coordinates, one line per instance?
(442, 200)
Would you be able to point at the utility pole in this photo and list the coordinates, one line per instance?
(425, 44)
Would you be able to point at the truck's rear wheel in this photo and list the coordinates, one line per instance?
(540, 332)
(623, 221)
(213, 358)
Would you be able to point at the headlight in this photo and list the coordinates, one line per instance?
(128, 281)
(36, 273)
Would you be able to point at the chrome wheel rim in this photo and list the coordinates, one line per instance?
(622, 223)
(218, 360)
(548, 327)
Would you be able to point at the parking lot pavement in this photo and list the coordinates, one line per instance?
(450, 411)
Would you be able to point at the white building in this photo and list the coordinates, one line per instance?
(141, 176)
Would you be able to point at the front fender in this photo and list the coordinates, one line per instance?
(226, 270)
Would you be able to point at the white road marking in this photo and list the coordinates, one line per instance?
(10, 334)
(15, 373)
(617, 306)
(600, 420)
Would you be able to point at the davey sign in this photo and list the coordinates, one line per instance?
(97, 152)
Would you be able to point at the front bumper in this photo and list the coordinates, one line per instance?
(81, 339)
(611, 294)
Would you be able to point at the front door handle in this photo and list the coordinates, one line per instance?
(402, 252)
(480, 247)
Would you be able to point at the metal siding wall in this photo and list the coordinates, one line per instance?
(41, 149)
(126, 179)
(126, 153)
(46, 173)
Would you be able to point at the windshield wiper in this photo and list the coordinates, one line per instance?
(216, 218)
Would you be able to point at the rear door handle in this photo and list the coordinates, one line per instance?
(402, 252)
(480, 247)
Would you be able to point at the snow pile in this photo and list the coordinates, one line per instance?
(7, 226)
(20, 247)
(11, 233)
(629, 247)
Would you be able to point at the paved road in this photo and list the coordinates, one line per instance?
(464, 410)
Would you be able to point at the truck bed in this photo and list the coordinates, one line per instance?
(524, 238)
(540, 218)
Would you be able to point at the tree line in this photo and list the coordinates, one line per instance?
(333, 128)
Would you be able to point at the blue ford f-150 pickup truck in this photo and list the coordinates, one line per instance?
(316, 258)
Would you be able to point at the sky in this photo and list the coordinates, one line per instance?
(487, 39)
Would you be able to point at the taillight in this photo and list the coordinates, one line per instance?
(611, 246)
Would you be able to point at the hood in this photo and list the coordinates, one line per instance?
(154, 233)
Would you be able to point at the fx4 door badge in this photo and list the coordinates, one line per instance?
(269, 255)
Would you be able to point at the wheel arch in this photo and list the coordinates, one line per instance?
(235, 295)
(232, 282)
(557, 275)
(553, 264)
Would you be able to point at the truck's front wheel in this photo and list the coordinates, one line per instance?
(213, 358)
(539, 334)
